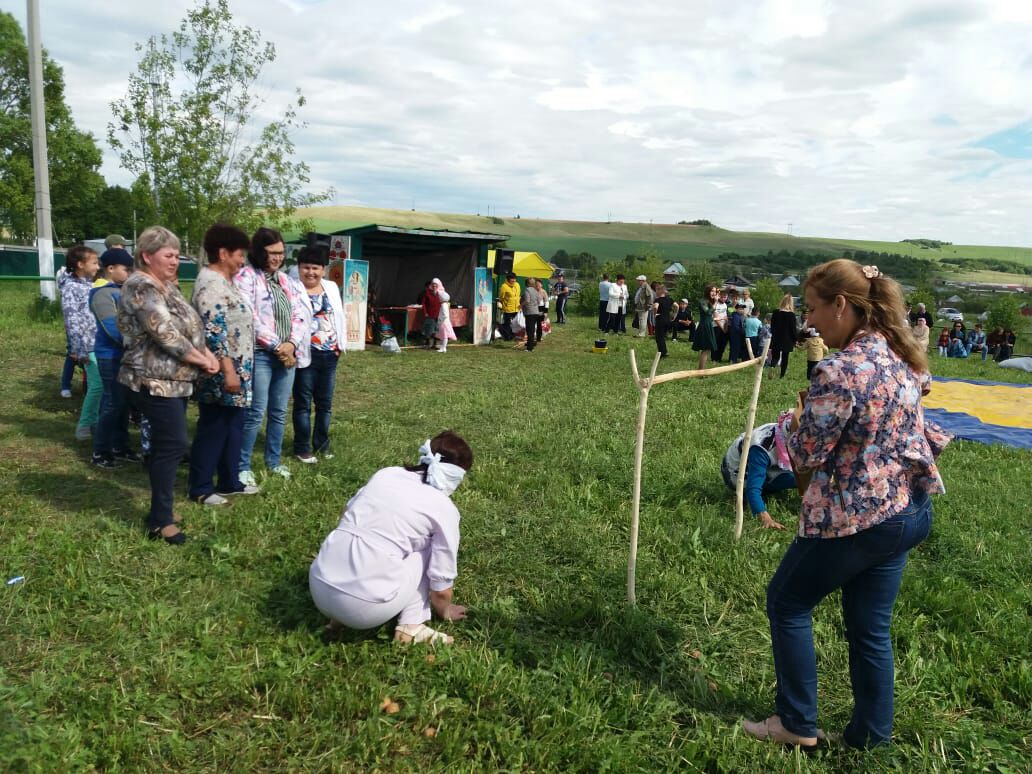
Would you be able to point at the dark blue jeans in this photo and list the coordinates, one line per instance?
(216, 447)
(112, 433)
(314, 384)
(67, 372)
(868, 567)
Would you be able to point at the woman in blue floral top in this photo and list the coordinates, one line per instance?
(225, 395)
(865, 458)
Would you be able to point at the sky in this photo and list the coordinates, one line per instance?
(886, 119)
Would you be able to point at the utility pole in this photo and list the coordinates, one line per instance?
(155, 85)
(44, 236)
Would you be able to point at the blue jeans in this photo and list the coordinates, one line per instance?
(272, 383)
(314, 384)
(67, 372)
(868, 567)
(112, 433)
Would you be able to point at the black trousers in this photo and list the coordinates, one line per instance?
(560, 309)
(505, 328)
(168, 444)
(721, 338)
(661, 327)
(603, 317)
(810, 366)
(533, 329)
(779, 354)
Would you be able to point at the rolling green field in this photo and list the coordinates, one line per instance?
(611, 241)
(123, 654)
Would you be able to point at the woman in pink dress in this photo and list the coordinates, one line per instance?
(445, 331)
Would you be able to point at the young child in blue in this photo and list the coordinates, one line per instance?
(73, 282)
(111, 437)
(752, 331)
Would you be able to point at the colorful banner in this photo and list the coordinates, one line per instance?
(355, 291)
(340, 248)
(483, 311)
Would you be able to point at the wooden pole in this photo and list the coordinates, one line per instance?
(740, 488)
(643, 385)
(674, 376)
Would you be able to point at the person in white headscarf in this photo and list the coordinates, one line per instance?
(445, 331)
(395, 550)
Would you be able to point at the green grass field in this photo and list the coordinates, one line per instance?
(123, 654)
(612, 241)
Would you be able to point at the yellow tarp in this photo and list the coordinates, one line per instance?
(994, 404)
(525, 265)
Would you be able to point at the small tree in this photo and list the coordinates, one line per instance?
(695, 279)
(204, 157)
(767, 295)
(1004, 312)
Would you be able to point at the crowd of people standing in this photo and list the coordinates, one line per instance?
(250, 338)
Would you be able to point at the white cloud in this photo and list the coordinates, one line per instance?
(841, 117)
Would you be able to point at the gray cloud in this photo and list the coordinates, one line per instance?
(826, 113)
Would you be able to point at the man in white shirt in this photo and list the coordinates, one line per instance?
(603, 300)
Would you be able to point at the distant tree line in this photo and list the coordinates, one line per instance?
(930, 243)
(986, 264)
(699, 222)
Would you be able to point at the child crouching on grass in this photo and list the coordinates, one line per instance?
(74, 283)
(944, 342)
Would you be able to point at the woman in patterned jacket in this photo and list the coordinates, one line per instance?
(864, 458)
(164, 354)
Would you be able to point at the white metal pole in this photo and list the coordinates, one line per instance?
(44, 237)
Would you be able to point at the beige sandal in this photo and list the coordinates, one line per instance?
(772, 730)
(416, 633)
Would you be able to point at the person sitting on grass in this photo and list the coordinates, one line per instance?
(74, 284)
(944, 342)
(957, 347)
(394, 552)
(1006, 348)
(767, 468)
(976, 341)
(921, 333)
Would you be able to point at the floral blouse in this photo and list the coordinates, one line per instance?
(158, 330)
(229, 330)
(864, 436)
(256, 292)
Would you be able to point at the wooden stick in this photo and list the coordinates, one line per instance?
(639, 445)
(740, 488)
(704, 372)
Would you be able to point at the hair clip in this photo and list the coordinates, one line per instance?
(871, 272)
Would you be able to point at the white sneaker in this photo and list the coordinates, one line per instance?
(281, 470)
(66, 393)
(247, 478)
(308, 459)
(212, 499)
(248, 489)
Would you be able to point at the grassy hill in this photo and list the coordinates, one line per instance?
(611, 241)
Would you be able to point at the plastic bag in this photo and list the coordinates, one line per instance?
(390, 345)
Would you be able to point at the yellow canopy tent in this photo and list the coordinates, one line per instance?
(525, 265)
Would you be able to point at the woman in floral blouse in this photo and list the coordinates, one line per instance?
(224, 396)
(164, 354)
(865, 458)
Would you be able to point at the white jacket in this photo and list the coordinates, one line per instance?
(618, 295)
(304, 352)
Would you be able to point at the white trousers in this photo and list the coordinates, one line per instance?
(643, 324)
(411, 605)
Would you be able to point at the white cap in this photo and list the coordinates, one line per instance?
(642, 277)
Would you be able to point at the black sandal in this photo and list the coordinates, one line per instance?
(173, 540)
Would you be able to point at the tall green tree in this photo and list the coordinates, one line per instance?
(1005, 312)
(767, 295)
(188, 122)
(73, 154)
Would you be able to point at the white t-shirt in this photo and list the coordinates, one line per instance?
(749, 304)
(392, 516)
(720, 314)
